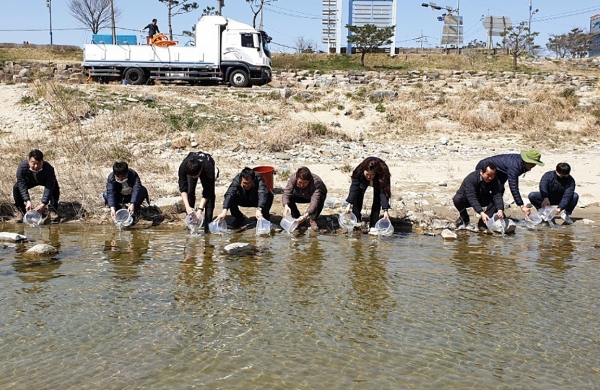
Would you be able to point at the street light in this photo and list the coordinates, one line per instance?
(450, 10)
(49, 5)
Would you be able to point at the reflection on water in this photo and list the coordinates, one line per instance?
(160, 308)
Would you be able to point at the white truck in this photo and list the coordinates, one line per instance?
(225, 51)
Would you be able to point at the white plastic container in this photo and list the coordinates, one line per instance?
(534, 218)
(32, 218)
(547, 213)
(384, 227)
(347, 221)
(495, 224)
(289, 223)
(123, 218)
(194, 219)
(263, 227)
(218, 226)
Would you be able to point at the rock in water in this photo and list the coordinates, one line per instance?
(12, 237)
(238, 247)
(448, 234)
(42, 250)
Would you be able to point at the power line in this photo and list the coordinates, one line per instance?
(291, 10)
(294, 16)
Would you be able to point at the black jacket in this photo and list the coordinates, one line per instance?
(553, 187)
(258, 194)
(26, 179)
(113, 187)
(477, 191)
(509, 168)
(361, 184)
(207, 176)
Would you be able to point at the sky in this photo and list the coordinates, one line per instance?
(287, 20)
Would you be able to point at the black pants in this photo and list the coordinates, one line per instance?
(122, 199)
(209, 208)
(297, 199)
(536, 200)
(375, 208)
(20, 203)
(237, 201)
(462, 204)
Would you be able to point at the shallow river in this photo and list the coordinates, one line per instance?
(159, 308)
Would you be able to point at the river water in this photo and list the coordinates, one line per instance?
(159, 308)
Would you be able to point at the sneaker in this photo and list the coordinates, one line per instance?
(313, 225)
(19, 217)
(238, 223)
(54, 217)
(460, 222)
(566, 217)
(373, 231)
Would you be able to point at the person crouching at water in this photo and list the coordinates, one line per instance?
(557, 187)
(198, 165)
(124, 186)
(248, 189)
(480, 189)
(305, 187)
(31, 173)
(372, 172)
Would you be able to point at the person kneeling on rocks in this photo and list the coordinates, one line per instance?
(372, 172)
(124, 186)
(557, 187)
(32, 173)
(305, 187)
(480, 188)
(248, 189)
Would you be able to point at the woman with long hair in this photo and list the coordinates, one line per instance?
(372, 172)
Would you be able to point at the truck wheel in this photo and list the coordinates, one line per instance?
(135, 76)
(239, 78)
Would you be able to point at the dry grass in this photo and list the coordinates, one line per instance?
(40, 53)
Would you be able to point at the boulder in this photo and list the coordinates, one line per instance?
(238, 247)
(171, 205)
(384, 95)
(12, 237)
(448, 234)
(41, 250)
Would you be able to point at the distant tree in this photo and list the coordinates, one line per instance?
(557, 44)
(575, 44)
(94, 14)
(177, 7)
(476, 44)
(256, 6)
(303, 45)
(369, 37)
(518, 40)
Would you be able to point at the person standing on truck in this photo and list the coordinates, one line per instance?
(198, 165)
(152, 30)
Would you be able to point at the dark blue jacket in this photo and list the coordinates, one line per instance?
(258, 194)
(477, 191)
(26, 179)
(553, 187)
(113, 187)
(361, 184)
(509, 168)
(207, 175)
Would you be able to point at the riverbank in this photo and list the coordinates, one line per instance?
(431, 136)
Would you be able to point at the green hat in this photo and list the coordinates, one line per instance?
(532, 156)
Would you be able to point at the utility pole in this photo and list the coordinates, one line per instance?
(112, 19)
(49, 5)
(457, 26)
(530, 14)
(262, 6)
(220, 5)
